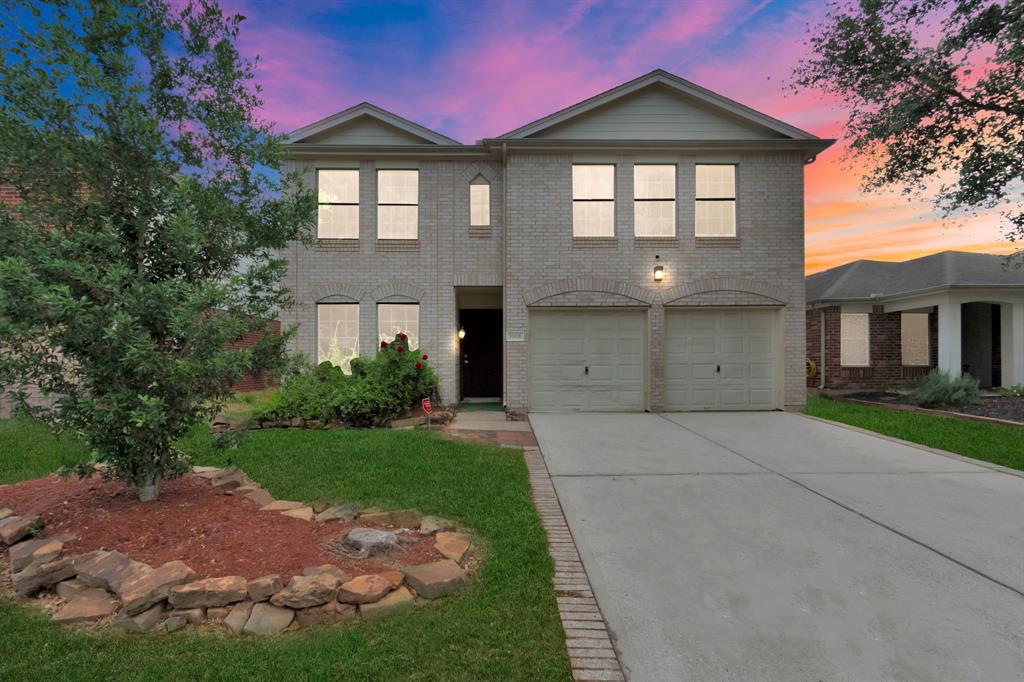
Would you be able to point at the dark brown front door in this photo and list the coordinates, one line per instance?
(481, 353)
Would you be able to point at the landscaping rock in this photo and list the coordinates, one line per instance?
(22, 554)
(432, 524)
(264, 588)
(399, 601)
(330, 613)
(365, 589)
(208, 473)
(229, 478)
(454, 546)
(174, 623)
(339, 512)
(5, 513)
(260, 497)
(217, 614)
(435, 579)
(13, 529)
(239, 616)
(69, 588)
(209, 592)
(191, 616)
(144, 622)
(109, 570)
(382, 518)
(34, 577)
(304, 591)
(396, 578)
(406, 518)
(364, 542)
(49, 551)
(155, 586)
(266, 619)
(301, 513)
(280, 506)
(328, 569)
(89, 605)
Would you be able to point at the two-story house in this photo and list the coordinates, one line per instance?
(640, 250)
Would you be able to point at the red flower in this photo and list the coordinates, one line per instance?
(424, 356)
(383, 344)
(419, 365)
(401, 349)
(402, 336)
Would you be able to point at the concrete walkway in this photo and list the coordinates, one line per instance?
(770, 546)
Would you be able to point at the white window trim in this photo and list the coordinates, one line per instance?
(336, 203)
(389, 336)
(673, 199)
(734, 200)
(610, 201)
(319, 307)
(843, 317)
(416, 204)
(480, 182)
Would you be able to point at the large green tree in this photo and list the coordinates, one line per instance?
(150, 215)
(935, 91)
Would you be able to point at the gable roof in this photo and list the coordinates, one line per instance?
(674, 83)
(871, 280)
(365, 109)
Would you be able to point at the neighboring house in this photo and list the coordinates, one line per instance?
(881, 324)
(640, 250)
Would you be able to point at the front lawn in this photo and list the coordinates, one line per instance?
(994, 443)
(505, 626)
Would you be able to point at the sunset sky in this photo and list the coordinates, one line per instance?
(474, 69)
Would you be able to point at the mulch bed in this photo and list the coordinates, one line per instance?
(215, 534)
(995, 407)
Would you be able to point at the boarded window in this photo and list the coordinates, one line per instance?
(398, 204)
(854, 340)
(338, 333)
(395, 318)
(654, 200)
(914, 339)
(337, 204)
(716, 201)
(593, 200)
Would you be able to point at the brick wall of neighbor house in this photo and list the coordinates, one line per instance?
(886, 368)
(766, 256)
(425, 271)
(252, 382)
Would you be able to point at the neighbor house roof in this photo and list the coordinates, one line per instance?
(868, 280)
(365, 109)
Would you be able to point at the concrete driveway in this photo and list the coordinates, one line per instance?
(770, 546)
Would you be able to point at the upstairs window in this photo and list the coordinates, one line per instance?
(914, 342)
(654, 201)
(716, 201)
(393, 318)
(593, 200)
(398, 194)
(854, 340)
(337, 204)
(337, 333)
(480, 202)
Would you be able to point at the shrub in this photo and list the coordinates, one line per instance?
(378, 390)
(940, 388)
(1016, 391)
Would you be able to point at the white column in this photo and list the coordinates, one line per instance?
(949, 338)
(1011, 330)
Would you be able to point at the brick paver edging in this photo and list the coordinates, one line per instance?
(586, 635)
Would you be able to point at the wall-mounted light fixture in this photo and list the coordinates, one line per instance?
(462, 333)
(659, 271)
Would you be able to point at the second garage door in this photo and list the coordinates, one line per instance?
(587, 360)
(722, 359)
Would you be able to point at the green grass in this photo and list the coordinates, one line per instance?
(504, 626)
(995, 443)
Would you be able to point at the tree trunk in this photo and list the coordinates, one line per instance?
(150, 488)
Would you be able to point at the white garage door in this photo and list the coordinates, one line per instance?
(587, 360)
(719, 359)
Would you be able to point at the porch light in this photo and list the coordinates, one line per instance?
(659, 273)
(462, 333)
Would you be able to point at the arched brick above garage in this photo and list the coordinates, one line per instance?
(725, 291)
(588, 291)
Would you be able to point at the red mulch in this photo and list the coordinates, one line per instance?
(215, 534)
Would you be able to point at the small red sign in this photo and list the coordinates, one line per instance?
(426, 406)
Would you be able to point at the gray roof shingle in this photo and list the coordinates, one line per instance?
(871, 279)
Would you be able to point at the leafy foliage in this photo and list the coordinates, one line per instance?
(1016, 391)
(378, 390)
(150, 215)
(940, 388)
(935, 91)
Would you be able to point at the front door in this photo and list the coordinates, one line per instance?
(481, 353)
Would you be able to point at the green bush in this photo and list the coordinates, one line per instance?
(940, 388)
(378, 390)
(1016, 391)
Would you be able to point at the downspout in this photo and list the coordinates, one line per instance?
(821, 356)
(504, 272)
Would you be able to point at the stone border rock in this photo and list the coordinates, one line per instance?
(107, 588)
